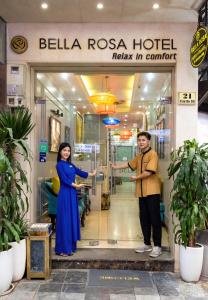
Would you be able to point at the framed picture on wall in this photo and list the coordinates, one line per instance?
(55, 134)
(67, 135)
(79, 128)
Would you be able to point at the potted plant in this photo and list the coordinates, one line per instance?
(17, 125)
(189, 204)
(8, 230)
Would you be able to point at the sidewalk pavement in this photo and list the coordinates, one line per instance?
(109, 285)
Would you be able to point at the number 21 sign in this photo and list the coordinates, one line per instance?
(187, 98)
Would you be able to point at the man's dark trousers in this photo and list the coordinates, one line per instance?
(150, 218)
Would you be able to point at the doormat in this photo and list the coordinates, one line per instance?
(120, 278)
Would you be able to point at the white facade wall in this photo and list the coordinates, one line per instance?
(185, 78)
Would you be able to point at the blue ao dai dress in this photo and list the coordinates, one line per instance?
(67, 216)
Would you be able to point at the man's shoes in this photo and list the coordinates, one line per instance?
(156, 251)
(143, 248)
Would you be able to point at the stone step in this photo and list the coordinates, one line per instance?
(123, 259)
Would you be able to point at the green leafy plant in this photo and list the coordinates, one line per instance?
(189, 169)
(15, 126)
(8, 230)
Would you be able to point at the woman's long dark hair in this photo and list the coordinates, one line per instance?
(61, 147)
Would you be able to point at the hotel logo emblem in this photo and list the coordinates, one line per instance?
(19, 44)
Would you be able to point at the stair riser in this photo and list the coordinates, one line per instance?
(163, 266)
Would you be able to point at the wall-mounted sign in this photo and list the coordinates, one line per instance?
(86, 43)
(187, 98)
(19, 44)
(166, 100)
(86, 148)
(120, 47)
(42, 157)
(199, 46)
(43, 146)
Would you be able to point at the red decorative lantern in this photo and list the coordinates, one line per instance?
(106, 109)
(125, 134)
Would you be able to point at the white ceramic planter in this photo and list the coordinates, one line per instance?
(6, 270)
(19, 259)
(191, 259)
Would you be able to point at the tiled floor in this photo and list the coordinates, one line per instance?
(109, 285)
(118, 227)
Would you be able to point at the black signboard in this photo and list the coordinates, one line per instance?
(199, 45)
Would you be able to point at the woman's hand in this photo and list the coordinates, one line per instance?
(78, 186)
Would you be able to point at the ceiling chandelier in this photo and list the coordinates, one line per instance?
(105, 98)
(106, 109)
(125, 134)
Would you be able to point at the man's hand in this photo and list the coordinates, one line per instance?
(133, 178)
(93, 173)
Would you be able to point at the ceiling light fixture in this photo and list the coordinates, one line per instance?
(150, 76)
(105, 98)
(40, 76)
(155, 6)
(111, 121)
(112, 126)
(106, 109)
(44, 5)
(145, 89)
(64, 76)
(99, 6)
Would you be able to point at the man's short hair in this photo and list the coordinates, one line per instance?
(144, 133)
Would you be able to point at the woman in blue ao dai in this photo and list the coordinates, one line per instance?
(67, 216)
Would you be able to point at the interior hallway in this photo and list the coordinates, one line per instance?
(118, 227)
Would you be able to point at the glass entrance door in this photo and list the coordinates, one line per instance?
(143, 102)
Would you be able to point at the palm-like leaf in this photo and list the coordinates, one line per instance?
(15, 126)
(19, 120)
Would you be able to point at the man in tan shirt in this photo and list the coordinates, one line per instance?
(148, 190)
